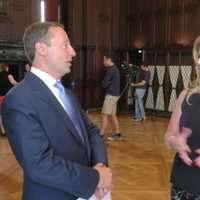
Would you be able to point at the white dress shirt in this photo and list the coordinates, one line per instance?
(49, 81)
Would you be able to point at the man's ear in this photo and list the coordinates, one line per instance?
(41, 48)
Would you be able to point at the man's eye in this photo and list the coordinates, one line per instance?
(66, 46)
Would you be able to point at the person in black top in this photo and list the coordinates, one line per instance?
(6, 82)
(183, 135)
(111, 85)
(140, 89)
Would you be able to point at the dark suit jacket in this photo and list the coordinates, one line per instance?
(57, 164)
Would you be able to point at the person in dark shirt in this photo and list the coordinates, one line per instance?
(111, 85)
(140, 89)
(183, 136)
(7, 81)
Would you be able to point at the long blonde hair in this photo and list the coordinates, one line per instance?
(194, 85)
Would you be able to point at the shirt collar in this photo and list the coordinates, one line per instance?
(45, 77)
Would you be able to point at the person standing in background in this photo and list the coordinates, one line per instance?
(140, 89)
(111, 86)
(27, 67)
(7, 81)
(59, 149)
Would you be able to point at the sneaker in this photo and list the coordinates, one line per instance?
(115, 137)
(137, 120)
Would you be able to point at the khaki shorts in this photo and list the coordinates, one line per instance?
(110, 105)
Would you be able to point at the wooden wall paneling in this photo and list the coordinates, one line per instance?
(67, 17)
(191, 2)
(161, 22)
(5, 31)
(174, 58)
(5, 19)
(134, 7)
(99, 75)
(104, 22)
(191, 23)
(161, 58)
(148, 32)
(120, 33)
(33, 10)
(175, 5)
(160, 29)
(78, 71)
(117, 24)
(20, 19)
(176, 23)
(149, 6)
(21, 14)
(135, 25)
(90, 81)
(187, 60)
(149, 57)
(15, 16)
(186, 57)
(78, 21)
(160, 5)
(91, 24)
(136, 40)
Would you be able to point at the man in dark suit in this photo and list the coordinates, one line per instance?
(57, 146)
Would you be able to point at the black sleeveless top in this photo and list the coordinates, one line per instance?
(183, 176)
(5, 85)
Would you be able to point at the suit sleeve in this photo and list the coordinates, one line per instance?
(98, 148)
(39, 161)
(99, 153)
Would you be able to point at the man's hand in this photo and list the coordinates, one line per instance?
(105, 181)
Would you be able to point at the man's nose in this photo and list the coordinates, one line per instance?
(72, 52)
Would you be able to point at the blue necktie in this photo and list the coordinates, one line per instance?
(69, 107)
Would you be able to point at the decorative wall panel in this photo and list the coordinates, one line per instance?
(149, 99)
(160, 96)
(163, 92)
(186, 74)
(174, 72)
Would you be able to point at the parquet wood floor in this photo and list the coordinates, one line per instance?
(141, 162)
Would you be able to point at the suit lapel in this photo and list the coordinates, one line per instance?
(84, 131)
(44, 94)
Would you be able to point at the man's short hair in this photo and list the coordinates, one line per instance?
(37, 32)
(110, 55)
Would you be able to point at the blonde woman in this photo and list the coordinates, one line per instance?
(183, 135)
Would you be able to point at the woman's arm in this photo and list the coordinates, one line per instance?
(12, 79)
(176, 138)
